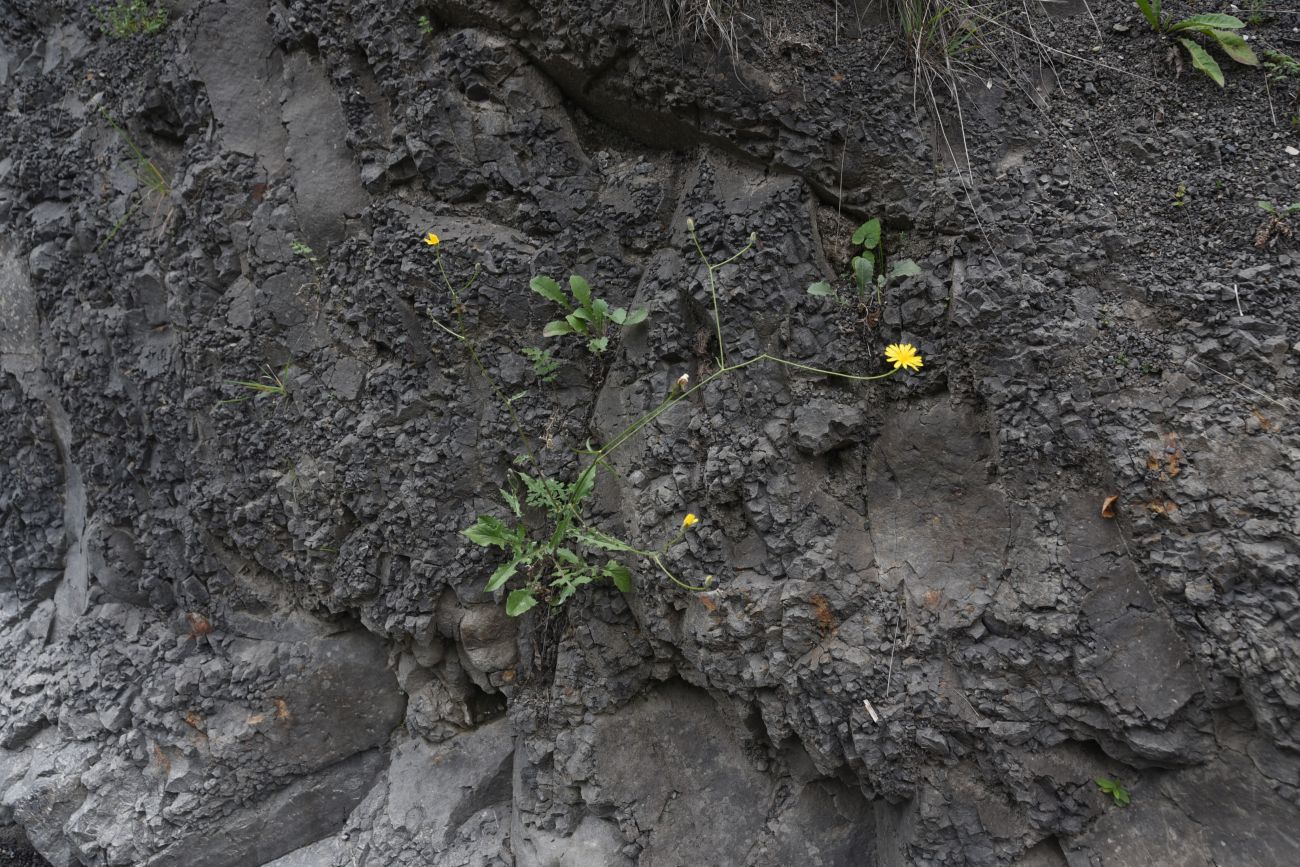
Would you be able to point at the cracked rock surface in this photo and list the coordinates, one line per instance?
(246, 630)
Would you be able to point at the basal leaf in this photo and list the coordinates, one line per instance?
(490, 531)
(557, 327)
(503, 573)
(1235, 47)
(1211, 20)
(577, 322)
(548, 289)
(1151, 12)
(904, 268)
(598, 344)
(1202, 60)
(637, 316)
(821, 289)
(864, 270)
(618, 315)
(519, 601)
(581, 290)
(868, 234)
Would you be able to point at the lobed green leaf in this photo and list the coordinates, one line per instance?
(519, 601)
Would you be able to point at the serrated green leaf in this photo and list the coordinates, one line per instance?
(1204, 23)
(519, 601)
(1151, 11)
(548, 289)
(597, 539)
(620, 575)
(598, 344)
(557, 327)
(636, 317)
(1202, 60)
(489, 531)
(618, 316)
(868, 234)
(513, 502)
(503, 573)
(1235, 47)
(904, 268)
(568, 556)
(1266, 206)
(821, 289)
(581, 290)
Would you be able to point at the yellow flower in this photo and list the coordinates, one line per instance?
(690, 521)
(903, 355)
(432, 240)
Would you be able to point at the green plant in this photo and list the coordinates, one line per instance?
(547, 540)
(147, 174)
(1114, 789)
(306, 252)
(1180, 195)
(425, 25)
(1214, 25)
(1279, 65)
(942, 28)
(590, 316)
(867, 268)
(129, 17)
(545, 368)
(271, 384)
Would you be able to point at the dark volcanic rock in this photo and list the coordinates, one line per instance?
(243, 627)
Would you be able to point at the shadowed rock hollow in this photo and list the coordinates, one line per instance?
(249, 631)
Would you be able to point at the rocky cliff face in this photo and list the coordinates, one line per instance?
(248, 631)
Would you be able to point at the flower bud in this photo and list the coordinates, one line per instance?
(690, 223)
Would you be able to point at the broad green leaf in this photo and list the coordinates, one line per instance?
(513, 502)
(1151, 12)
(821, 289)
(548, 289)
(503, 574)
(1207, 22)
(1122, 797)
(1266, 206)
(581, 290)
(490, 531)
(1202, 60)
(519, 601)
(618, 316)
(864, 269)
(598, 345)
(577, 322)
(904, 268)
(597, 539)
(1235, 47)
(557, 327)
(620, 575)
(568, 556)
(637, 316)
(868, 234)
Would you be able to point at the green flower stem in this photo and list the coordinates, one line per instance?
(673, 578)
(713, 285)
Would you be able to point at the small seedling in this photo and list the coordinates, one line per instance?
(867, 268)
(1114, 789)
(149, 176)
(1214, 25)
(129, 17)
(1180, 196)
(545, 368)
(1276, 225)
(590, 317)
(426, 26)
(1279, 65)
(270, 384)
(301, 249)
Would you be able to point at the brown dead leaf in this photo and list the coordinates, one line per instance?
(1162, 507)
(708, 603)
(194, 721)
(199, 625)
(825, 617)
(931, 598)
(282, 710)
(1108, 506)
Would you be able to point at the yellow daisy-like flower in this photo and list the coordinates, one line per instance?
(903, 355)
(432, 240)
(690, 521)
